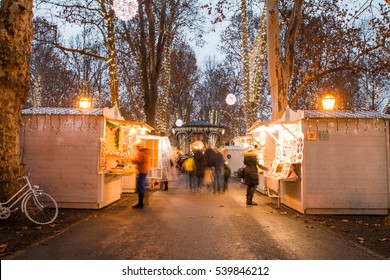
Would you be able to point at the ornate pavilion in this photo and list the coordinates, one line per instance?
(198, 133)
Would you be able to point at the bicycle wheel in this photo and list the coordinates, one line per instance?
(41, 209)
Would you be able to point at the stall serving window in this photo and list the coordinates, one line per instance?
(117, 147)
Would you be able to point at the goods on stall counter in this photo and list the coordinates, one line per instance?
(282, 170)
(272, 171)
(102, 164)
(123, 171)
(299, 151)
(291, 174)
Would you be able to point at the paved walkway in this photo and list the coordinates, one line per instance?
(181, 225)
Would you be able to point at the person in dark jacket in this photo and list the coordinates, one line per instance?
(251, 174)
(218, 170)
(226, 175)
(199, 169)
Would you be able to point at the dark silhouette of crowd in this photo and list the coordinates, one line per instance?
(207, 168)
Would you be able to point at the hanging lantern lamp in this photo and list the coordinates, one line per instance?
(328, 102)
(85, 103)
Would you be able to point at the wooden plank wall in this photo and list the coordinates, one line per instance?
(128, 183)
(63, 153)
(348, 173)
(291, 192)
(111, 191)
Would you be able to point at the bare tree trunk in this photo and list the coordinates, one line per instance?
(15, 46)
(274, 55)
(147, 59)
(279, 66)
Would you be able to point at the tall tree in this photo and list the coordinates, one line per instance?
(150, 36)
(282, 52)
(281, 60)
(53, 84)
(253, 59)
(185, 79)
(91, 73)
(15, 45)
(99, 16)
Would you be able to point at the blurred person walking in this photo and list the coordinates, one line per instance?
(226, 175)
(189, 167)
(199, 169)
(218, 164)
(141, 160)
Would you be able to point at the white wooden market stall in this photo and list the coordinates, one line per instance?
(328, 162)
(235, 157)
(80, 156)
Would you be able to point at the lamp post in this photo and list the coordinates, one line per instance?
(328, 102)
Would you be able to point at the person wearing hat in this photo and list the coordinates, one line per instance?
(141, 160)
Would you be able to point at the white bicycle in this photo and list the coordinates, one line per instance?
(38, 206)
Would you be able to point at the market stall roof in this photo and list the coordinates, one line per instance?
(259, 123)
(62, 111)
(345, 114)
(293, 116)
(130, 123)
(110, 113)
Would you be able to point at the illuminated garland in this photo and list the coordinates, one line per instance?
(116, 130)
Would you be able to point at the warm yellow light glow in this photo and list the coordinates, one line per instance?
(328, 102)
(85, 103)
(142, 131)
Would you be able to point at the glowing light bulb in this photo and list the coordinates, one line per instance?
(230, 99)
(179, 123)
(125, 9)
(85, 103)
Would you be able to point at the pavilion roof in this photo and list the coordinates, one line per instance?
(200, 123)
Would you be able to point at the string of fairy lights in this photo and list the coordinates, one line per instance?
(348, 125)
(58, 123)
